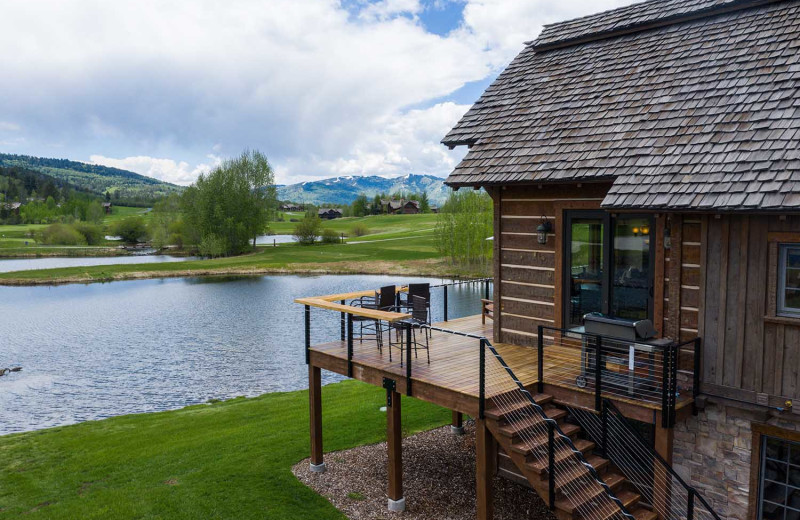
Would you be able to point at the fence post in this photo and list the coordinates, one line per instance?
(445, 303)
(343, 323)
(551, 463)
(598, 374)
(540, 361)
(408, 359)
(308, 333)
(690, 505)
(698, 364)
(482, 380)
(604, 434)
(349, 345)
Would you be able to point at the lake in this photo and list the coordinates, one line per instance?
(23, 264)
(98, 350)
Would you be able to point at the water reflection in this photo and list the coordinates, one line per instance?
(93, 351)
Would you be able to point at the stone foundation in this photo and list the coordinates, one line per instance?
(712, 452)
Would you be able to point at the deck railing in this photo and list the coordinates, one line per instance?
(659, 375)
(654, 479)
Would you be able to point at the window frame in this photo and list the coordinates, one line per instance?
(609, 225)
(781, 309)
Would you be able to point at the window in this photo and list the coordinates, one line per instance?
(789, 280)
(779, 489)
(610, 265)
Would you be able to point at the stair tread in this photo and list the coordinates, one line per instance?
(609, 510)
(562, 453)
(526, 445)
(523, 423)
(579, 472)
(644, 514)
(498, 412)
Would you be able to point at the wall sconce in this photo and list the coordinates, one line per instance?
(667, 238)
(544, 228)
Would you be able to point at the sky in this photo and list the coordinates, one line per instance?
(323, 87)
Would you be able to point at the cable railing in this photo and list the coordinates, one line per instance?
(659, 485)
(570, 476)
(658, 374)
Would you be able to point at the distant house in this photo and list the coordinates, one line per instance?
(12, 208)
(329, 213)
(291, 207)
(410, 207)
(402, 206)
(434, 209)
(107, 207)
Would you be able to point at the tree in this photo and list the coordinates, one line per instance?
(108, 196)
(307, 230)
(360, 206)
(376, 205)
(230, 205)
(131, 229)
(424, 205)
(462, 229)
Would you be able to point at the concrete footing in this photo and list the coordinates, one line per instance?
(318, 468)
(397, 506)
(457, 430)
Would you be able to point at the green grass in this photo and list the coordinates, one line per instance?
(375, 224)
(225, 460)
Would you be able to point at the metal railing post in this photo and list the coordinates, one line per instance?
(482, 379)
(604, 434)
(349, 345)
(598, 374)
(344, 318)
(690, 505)
(408, 359)
(540, 361)
(665, 387)
(486, 289)
(673, 387)
(445, 303)
(551, 463)
(698, 364)
(308, 333)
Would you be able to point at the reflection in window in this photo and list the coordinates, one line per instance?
(779, 493)
(586, 268)
(789, 280)
(630, 293)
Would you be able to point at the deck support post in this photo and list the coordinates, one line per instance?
(315, 414)
(457, 425)
(664, 438)
(484, 466)
(394, 443)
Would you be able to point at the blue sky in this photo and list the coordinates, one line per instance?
(323, 87)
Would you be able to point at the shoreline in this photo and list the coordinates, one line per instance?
(424, 268)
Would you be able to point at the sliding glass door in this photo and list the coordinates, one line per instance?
(610, 265)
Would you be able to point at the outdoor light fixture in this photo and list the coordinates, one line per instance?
(544, 228)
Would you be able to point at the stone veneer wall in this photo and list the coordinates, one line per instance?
(712, 452)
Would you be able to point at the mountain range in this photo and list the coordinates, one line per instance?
(344, 190)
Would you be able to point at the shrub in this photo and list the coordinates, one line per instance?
(307, 230)
(213, 246)
(131, 229)
(62, 235)
(91, 232)
(330, 236)
(359, 230)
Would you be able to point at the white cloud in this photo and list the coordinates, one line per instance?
(8, 126)
(164, 169)
(320, 91)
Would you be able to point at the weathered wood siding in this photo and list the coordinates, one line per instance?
(748, 352)
(528, 274)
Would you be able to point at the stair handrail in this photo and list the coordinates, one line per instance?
(690, 490)
(552, 423)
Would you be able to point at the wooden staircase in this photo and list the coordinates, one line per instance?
(518, 429)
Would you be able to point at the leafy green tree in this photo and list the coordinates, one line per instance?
(231, 205)
(462, 228)
(307, 230)
(360, 206)
(131, 229)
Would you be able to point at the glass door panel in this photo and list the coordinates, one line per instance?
(632, 268)
(586, 267)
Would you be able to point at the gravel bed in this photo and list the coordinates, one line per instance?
(438, 481)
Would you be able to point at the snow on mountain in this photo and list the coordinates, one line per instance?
(344, 190)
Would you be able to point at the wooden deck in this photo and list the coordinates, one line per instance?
(451, 379)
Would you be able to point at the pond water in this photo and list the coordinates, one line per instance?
(268, 240)
(98, 350)
(22, 264)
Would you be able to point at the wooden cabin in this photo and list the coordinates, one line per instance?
(329, 213)
(658, 146)
(642, 357)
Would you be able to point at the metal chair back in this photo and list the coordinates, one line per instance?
(386, 299)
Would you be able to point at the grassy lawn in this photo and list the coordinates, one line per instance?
(404, 246)
(226, 460)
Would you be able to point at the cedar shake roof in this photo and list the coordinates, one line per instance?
(684, 104)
